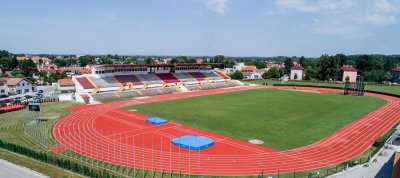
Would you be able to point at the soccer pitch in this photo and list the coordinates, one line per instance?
(282, 119)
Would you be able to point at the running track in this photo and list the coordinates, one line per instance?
(107, 133)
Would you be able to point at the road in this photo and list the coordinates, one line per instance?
(9, 170)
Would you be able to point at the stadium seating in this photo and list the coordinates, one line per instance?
(231, 84)
(168, 90)
(124, 79)
(85, 83)
(107, 82)
(149, 79)
(206, 86)
(222, 75)
(185, 77)
(104, 96)
(220, 85)
(198, 76)
(168, 78)
(213, 76)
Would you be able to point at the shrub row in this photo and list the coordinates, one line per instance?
(56, 161)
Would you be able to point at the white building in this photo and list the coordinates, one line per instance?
(18, 85)
(296, 72)
(3, 87)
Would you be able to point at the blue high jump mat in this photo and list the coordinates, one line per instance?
(156, 121)
(192, 142)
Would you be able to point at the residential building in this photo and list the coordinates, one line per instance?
(19, 85)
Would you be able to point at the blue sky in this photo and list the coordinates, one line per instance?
(201, 27)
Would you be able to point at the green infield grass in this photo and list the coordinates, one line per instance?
(372, 87)
(282, 119)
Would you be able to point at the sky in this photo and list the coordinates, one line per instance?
(201, 27)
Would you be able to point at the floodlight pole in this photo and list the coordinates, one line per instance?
(134, 156)
(143, 155)
(161, 168)
(126, 152)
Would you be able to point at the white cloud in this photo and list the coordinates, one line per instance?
(344, 17)
(219, 6)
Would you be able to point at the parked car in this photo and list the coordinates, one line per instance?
(3, 96)
(5, 101)
(28, 96)
(38, 95)
(40, 91)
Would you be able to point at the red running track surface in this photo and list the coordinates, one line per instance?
(107, 133)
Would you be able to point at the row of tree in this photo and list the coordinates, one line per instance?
(374, 68)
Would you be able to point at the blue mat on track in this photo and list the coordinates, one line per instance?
(156, 121)
(192, 142)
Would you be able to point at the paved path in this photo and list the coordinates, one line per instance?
(10, 170)
(382, 167)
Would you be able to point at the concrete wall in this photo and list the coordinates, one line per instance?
(299, 74)
(351, 74)
(66, 96)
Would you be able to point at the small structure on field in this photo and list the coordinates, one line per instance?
(348, 74)
(296, 72)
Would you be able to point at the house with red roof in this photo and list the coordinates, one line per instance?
(251, 72)
(396, 74)
(348, 74)
(18, 85)
(296, 72)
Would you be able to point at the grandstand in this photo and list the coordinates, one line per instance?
(113, 81)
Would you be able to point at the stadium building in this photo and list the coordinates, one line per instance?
(112, 81)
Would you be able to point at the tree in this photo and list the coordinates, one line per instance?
(28, 67)
(273, 72)
(148, 61)
(328, 67)
(302, 60)
(288, 65)
(259, 64)
(310, 73)
(237, 75)
(86, 60)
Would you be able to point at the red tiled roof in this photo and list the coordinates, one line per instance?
(85, 71)
(37, 58)
(297, 67)
(66, 82)
(348, 68)
(249, 68)
(20, 58)
(14, 81)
